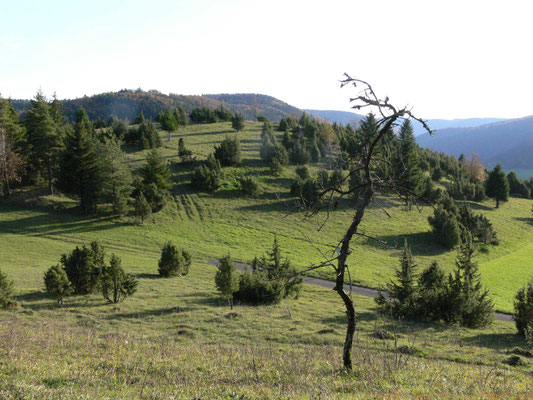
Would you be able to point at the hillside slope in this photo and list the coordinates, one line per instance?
(509, 143)
(127, 104)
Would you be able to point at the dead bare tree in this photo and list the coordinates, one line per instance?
(366, 160)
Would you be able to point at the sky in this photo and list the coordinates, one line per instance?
(445, 59)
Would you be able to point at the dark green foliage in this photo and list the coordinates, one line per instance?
(433, 302)
(227, 279)
(116, 285)
(262, 118)
(517, 187)
(299, 154)
(287, 124)
(147, 136)
(183, 118)
(445, 227)
(336, 178)
(7, 290)
(459, 299)
(403, 291)
(207, 176)
(142, 207)
(184, 153)
(523, 311)
(223, 114)
(117, 182)
(250, 186)
(271, 280)
(139, 119)
(496, 185)
(203, 115)
(303, 173)
(83, 266)
(119, 129)
(57, 283)
(407, 172)
(44, 139)
(155, 180)
(11, 147)
(228, 152)
(81, 171)
(174, 261)
(276, 168)
(475, 309)
(168, 122)
(478, 226)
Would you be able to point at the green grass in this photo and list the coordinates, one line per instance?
(211, 225)
(176, 337)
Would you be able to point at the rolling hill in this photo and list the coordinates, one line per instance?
(509, 143)
(127, 104)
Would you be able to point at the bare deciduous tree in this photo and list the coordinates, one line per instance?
(366, 161)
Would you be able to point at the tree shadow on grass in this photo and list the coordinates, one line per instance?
(421, 243)
(144, 275)
(224, 131)
(525, 219)
(476, 206)
(341, 318)
(54, 223)
(148, 313)
(37, 301)
(498, 341)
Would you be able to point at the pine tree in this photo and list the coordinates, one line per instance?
(117, 176)
(57, 284)
(184, 119)
(142, 207)
(237, 122)
(407, 172)
(80, 167)
(7, 290)
(496, 185)
(227, 279)
(403, 291)
(156, 171)
(11, 161)
(229, 151)
(44, 140)
(168, 122)
(174, 261)
(474, 305)
(116, 285)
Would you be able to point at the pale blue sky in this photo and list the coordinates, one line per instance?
(449, 59)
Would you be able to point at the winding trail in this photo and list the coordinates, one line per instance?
(360, 290)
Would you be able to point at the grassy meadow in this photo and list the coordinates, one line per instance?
(176, 338)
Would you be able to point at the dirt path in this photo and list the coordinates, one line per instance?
(360, 290)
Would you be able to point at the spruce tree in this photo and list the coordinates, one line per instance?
(523, 310)
(57, 284)
(406, 163)
(229, 151)
(116, 176)
(496, 185)
(116, 285)
(227, 279)
(7, 290)
(11, 135)
(142, 207)
(174, 261)
(237, 122)
(473, 303)
(168, 122)
(81, 164)
(155, 179)
(44, 139)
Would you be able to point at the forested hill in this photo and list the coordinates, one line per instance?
(127, 104)
(509, 143)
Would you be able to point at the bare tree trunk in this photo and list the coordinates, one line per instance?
(7, 190)
(341, 269)
(50, 185)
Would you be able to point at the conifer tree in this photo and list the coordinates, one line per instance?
(237, 122)
(142, 207)
(57, 284)
(11, 161)
(472, 301)
(80, 167)
(156, 171)
(227, 279)
(496, 185)
(44, 139)
(168, 122)
(117, 176)
(7, 290)
(116, 285)
(184, 119)
(407, 172)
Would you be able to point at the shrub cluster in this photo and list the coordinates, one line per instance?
(207, 177)
(523, 312)
(174, 261)
(6, 292)
(433, 296)
(84, 271)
